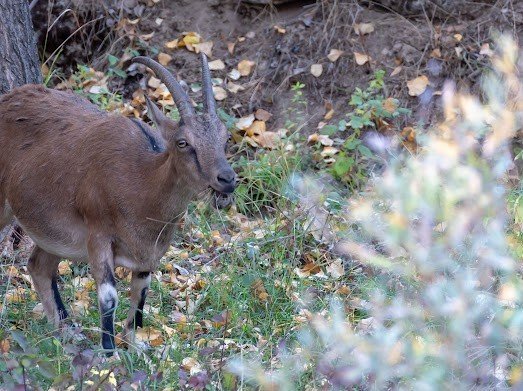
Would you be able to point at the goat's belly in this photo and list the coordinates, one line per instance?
(72, 251)
(74, 247)
(138, 264)
(128, 263)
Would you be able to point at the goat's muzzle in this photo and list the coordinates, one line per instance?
(223, 188)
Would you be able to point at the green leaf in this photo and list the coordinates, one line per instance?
(365, 151)
(113, 60)
(356, 100)
(120, 73)
(351, 143)
(328, 130)
(343, 165)
(356, 122)
(46, 369)
(20, 339)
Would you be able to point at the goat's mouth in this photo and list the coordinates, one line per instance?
(221, 200)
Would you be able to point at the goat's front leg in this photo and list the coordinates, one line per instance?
(140, 282)
(101, 259)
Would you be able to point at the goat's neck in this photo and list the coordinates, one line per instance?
(172, 190)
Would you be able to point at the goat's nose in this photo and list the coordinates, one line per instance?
(227, 177)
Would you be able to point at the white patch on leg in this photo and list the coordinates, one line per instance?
(106, 294)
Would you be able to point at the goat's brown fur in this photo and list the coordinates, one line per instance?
(87, 185)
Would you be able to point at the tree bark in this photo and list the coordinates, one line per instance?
(19, 62)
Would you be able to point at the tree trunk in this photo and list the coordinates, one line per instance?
(19, 62)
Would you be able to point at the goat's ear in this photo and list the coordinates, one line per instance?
(155, 114)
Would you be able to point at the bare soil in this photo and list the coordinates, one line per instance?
(442, 41)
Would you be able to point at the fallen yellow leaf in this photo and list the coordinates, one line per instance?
(221, 319)
(245, 67)
(216, 65)
(204, 47)
(219, 93)
(244, 122)
(316, 70)
(191, 38)
(64, 268)
(5, 346)
(418, 85)
(329, 151)
(262, 115)
(154, 82)
(396, 71)
(190, 364)
(149, 335)
(280, 29)
(259, 290)
(335, 269)
(172, 44)
(334, 54)
(146, 37)
(257, 127)
(267, 140)
(389, 105)
(16, 295)
(178, 317)
(230, 47)
(312, 138)
(363, 28)
(234, 88)
(361, 58)
(164, 58)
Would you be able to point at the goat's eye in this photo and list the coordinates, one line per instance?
(181, 143)
(229, 138)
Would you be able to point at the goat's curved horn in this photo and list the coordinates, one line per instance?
(179, 96)
(209, 103)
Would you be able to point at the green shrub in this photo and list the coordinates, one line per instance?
(448, 313)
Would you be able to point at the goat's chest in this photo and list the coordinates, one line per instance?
(143, 247)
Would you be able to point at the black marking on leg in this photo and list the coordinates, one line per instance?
(107, 308)
(138, 318)
(17, 236)
(109, 276)
(62, 312)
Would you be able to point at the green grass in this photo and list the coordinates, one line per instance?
(251, 278)
(235, 285)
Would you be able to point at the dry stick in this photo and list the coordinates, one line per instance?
(32, 5)
(58, 18)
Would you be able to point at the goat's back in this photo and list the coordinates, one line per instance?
(62, 161)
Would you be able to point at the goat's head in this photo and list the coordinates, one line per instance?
(197, 142)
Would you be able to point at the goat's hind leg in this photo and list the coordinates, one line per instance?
(5, 220)
(140, 282)
(43, 269)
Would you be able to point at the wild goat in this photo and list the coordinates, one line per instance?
(102, 188)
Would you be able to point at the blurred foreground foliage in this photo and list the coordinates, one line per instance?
(447, 311)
